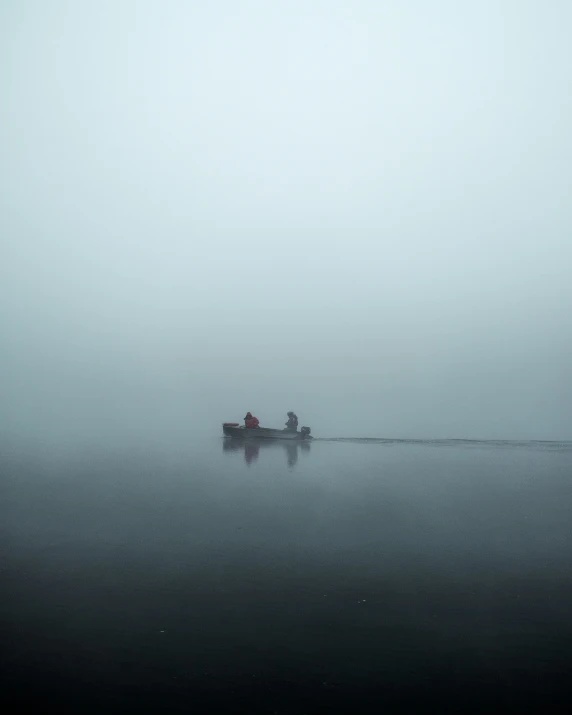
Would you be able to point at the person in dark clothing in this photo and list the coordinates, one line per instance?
(250, 421)
(292, 423)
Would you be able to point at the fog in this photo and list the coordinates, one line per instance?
(357, 211)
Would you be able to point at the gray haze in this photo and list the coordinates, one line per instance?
(360, 211)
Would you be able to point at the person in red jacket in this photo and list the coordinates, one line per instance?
(251, 422)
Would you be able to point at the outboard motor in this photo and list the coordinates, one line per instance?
(305, 432)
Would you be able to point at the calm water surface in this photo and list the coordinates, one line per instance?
(340, 576)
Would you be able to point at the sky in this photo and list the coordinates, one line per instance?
(358, 211)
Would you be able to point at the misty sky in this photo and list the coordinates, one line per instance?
(357, 210)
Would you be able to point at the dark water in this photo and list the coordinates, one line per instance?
(342, 576)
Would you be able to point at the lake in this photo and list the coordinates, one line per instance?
(335, 576)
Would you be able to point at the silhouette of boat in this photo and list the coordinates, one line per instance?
(236, 431)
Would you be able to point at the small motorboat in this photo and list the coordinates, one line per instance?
(237, 431)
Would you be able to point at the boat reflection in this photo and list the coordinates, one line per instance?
(251, 448)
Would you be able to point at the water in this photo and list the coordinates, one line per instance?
(340, 576)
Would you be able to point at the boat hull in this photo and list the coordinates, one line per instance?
(237, 432)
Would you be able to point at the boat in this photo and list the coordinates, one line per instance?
(237, 431)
